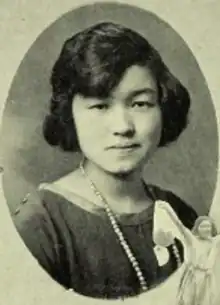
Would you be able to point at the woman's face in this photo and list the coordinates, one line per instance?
(205, 229)
(120, 133)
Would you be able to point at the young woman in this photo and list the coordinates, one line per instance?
(114, 101)
(198, 283)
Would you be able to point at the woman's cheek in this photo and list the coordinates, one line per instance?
(152, 126)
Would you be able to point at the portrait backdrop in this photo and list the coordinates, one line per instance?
(187, 167)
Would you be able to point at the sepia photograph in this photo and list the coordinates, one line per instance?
(109, 142)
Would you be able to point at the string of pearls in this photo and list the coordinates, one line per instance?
(176, 254)
(122, 240)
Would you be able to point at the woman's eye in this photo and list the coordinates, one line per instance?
(141, 104)
(99, 106)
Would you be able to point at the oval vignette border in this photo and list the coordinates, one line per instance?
(35, 42)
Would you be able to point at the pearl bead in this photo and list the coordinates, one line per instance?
(120, 236)
(130, 255)
(135, 263)
(142, 279)
(137, 269)
(117, 230)
(133, 260)
(127, 247)
(108, 211)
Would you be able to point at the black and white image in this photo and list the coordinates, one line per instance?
(112, 153)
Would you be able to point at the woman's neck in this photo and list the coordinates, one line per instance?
(128, 189)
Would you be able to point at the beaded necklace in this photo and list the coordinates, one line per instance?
(130, 255)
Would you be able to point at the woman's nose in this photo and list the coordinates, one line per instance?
(121, 122)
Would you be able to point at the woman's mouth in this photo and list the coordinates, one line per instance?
(124, 147)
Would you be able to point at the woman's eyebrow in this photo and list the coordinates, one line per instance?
(137, 92)
(134, 93)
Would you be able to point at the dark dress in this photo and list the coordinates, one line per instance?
(80, 250)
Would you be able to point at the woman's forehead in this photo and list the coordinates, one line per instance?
(136, 80)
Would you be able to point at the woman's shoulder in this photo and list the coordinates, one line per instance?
(50, 201)
(30, 206)
(38, 206)
(184, 211)
(39, 227)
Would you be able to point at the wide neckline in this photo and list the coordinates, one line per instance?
(75, 201)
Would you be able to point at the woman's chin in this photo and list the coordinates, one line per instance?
(123, 170)
(119, 168)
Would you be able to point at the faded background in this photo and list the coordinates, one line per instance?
(187, 167)
(21, 22)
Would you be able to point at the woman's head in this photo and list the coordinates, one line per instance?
(204, 227)
(93, 65)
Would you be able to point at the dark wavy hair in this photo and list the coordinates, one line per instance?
(92, 63)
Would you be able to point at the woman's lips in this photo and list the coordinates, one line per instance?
(125, 147)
